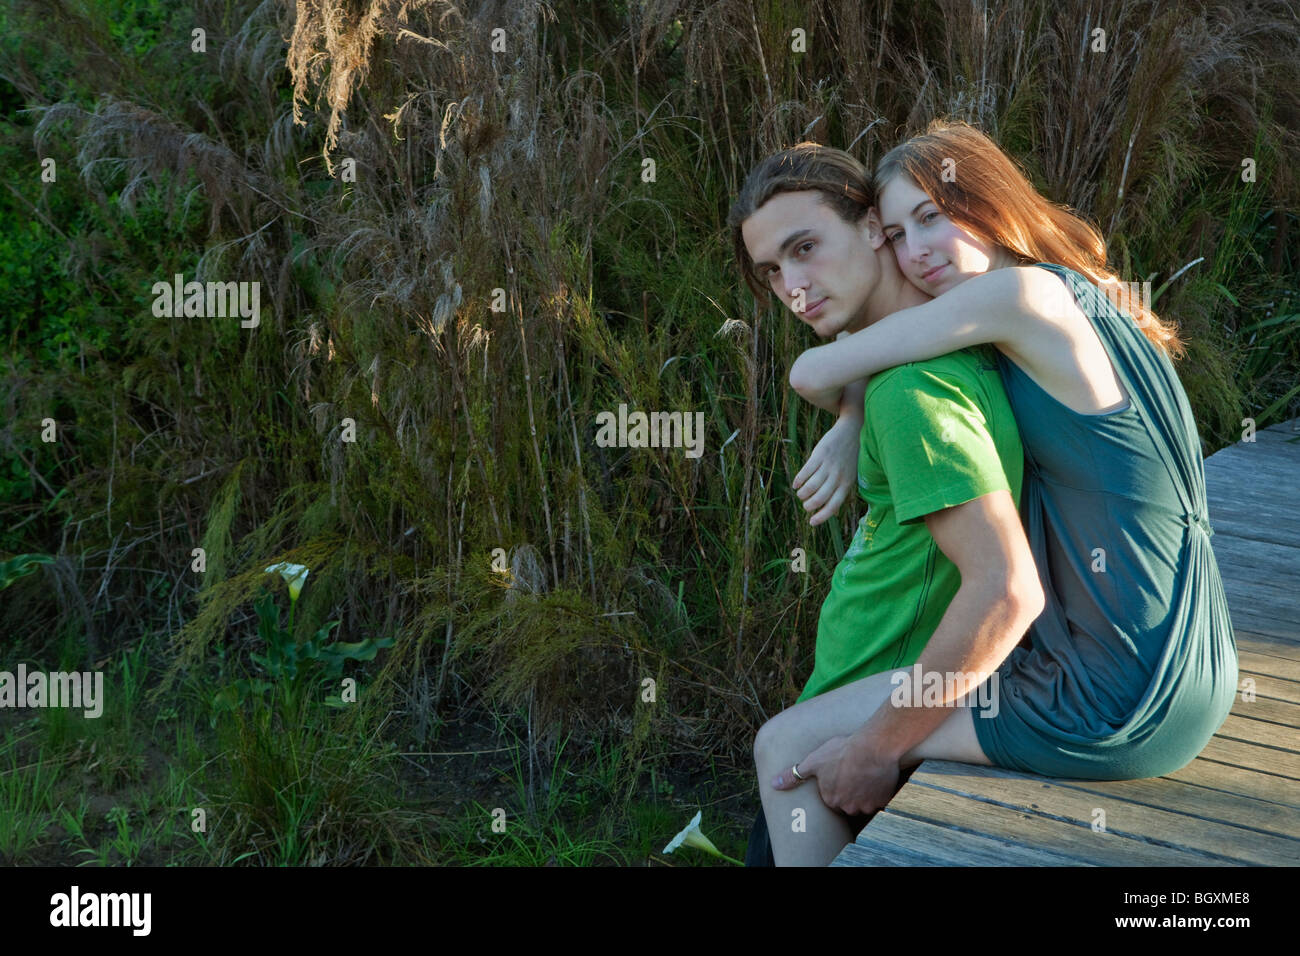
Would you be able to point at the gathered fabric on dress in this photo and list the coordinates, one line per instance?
(1132, 666)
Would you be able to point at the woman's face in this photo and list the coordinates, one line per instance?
(933, 252)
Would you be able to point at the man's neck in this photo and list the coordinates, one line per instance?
(892, 294)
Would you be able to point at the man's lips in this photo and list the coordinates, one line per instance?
(810, 309)
(930, 276)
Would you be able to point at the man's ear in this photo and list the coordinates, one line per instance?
(875, 231)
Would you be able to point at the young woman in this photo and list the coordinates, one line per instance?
(1132, 666)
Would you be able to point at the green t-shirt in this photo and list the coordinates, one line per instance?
(936, 434)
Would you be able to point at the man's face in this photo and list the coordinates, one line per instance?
(823, 268)
(934, 253)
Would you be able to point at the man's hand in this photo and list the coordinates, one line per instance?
(831, 472)
(849, 777)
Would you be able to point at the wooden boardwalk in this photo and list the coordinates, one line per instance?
(1236, 804)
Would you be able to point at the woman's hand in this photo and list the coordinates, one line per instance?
(831, 472)
(850, 778)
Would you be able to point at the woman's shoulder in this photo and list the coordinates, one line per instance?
(1012, 283)
(1040, 317)
(1024, 296)
(1047, 292)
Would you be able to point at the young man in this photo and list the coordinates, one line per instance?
(938, 572)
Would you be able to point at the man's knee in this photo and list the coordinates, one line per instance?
(780, 739)
(768, 741)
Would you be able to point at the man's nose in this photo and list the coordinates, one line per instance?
(794, 281)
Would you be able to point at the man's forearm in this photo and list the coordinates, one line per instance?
(851, 400)
(976, 634)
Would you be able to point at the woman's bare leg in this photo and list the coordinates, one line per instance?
(799, 730)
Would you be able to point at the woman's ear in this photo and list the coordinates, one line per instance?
(875, 231)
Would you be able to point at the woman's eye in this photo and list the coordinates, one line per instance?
(928, 216)
(894, 237)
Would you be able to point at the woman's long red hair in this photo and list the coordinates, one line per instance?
(986, 193)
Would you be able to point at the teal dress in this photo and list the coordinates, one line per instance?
(1132, 666)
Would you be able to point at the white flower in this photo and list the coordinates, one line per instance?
(294, 574)
(692, 836)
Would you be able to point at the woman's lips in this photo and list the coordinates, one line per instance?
(810, 311)
(933, 273)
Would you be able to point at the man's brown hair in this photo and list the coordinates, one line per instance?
(845, 185)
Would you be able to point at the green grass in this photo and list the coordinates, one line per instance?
(318, 791)
(27, 794)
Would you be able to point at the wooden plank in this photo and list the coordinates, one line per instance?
(1281, 433)
(1249, 661)
(1260, 597)
(1268, 711)
(1276, 762)
(1252, 487)
(1266, 644)
(1237, 727)
(1025, 827)
(1135, 821)
(1279, 564)
(1262, 586)
(1194, 802)
(1230, 475)
(1250, 522)
(1251, 603)
(955, 848)
(1271, 452)
(1274, 459)
(1245, 552)
(1247, 618)
(1272, 688)
(865, 853)
(1238, 782)
(1263, 478)
(1240, 522)
(1263, 785)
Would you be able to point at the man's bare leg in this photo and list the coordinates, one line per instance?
(799, 730)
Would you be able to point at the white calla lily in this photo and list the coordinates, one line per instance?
(692, 836)
(294, 574)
